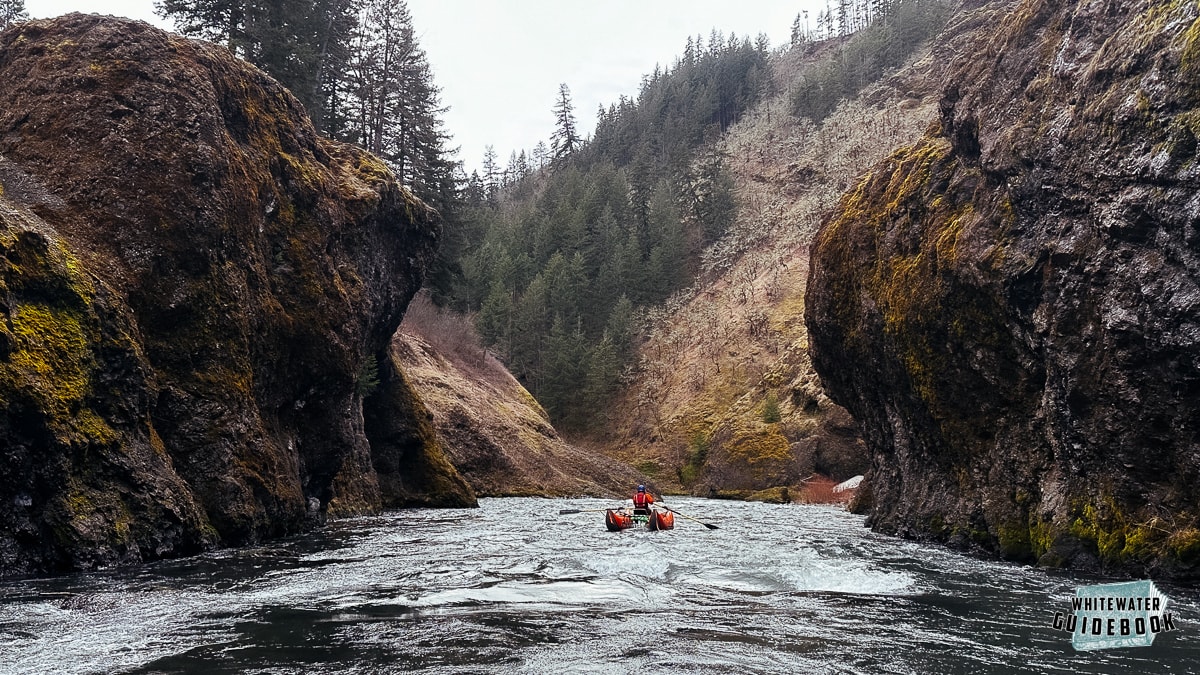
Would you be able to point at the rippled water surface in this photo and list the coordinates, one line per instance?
(512, 587)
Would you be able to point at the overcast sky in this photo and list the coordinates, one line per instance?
(500, 62)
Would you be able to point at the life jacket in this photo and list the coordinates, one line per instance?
(642, 499)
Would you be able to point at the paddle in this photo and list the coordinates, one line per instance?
(563, 512)
(708, 525)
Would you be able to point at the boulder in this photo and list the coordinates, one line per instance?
(196, 291)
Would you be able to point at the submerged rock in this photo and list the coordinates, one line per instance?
(1011, 307)
(194, 289)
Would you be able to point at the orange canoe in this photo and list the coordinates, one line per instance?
(660, 520)
(620, 519)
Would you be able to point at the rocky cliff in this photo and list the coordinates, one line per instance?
(1011, 306)
(195, 291)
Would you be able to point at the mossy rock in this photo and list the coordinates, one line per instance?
(776, 495)
(181, 346)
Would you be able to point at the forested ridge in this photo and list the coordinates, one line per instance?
(554, 260)
(556, 253)
(560, 251)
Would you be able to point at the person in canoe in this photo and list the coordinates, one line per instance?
(642, 501)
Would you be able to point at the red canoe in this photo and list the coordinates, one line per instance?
(620, 519)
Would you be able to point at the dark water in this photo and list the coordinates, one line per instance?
(512, 587)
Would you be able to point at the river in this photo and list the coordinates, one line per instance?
(512, 587)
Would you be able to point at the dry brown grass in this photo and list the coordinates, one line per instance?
(454, 337)
(713, 352)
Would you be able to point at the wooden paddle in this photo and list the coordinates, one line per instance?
(708, 525)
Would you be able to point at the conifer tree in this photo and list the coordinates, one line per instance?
(799, 34)
(396, 109)
(603, 374)
(566, 137)
(541, 155)
(491, 173)
(530, 326)
(301, 43)
(565, 374)
(495, 318)
(12, 11)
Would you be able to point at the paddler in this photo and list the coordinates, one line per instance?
(642, 501)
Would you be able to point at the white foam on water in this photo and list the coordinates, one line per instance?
(807, 570)
(641, 559)
(114, 632)
(600, 593)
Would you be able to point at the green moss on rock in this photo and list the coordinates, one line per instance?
(979, 301)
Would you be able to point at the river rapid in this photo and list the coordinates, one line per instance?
(513, 587)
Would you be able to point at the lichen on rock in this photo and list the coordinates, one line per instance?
(193, 280)
(1011, 307)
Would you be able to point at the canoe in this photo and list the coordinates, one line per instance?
(620, 519)
(660, 520)
(617, 520)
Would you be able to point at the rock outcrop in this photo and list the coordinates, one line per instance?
(195, 288)
(1011, 307)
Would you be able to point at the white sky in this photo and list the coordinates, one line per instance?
(500, 62)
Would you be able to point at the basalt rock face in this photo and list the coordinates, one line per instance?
(1011, 307)
(194, 285)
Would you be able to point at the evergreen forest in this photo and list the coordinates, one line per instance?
(555, 253)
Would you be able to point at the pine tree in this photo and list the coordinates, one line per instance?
(665, 266)
(301, 43)
(12, 11)
(396, 108)
(603, 374)
(384, 49)
(221, 21)
(565, 138)
(491, 173)
(495, 319)
(709, 191)
(565, 374)
(620, 325)
(531, 325)
(522, 167)
(541, 155)
(844, 17)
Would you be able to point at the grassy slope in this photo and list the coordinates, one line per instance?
(494, 432)
(717, 352)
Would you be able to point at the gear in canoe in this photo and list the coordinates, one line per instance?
(645, 512)
(654, 519)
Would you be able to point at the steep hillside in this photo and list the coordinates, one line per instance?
(194, 286)
(725, 399)
(1011, 306)
(494, 432)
